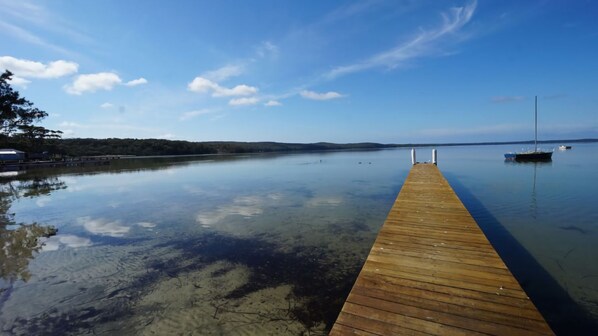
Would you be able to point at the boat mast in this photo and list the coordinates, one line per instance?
(536, 126)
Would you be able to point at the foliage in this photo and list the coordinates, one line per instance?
(148, 147)
(18, 118)
(19, 242)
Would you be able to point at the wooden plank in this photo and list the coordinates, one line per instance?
(432, 271)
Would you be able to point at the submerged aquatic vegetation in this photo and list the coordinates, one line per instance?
(17, 248)
(18, 241)
(211, 282)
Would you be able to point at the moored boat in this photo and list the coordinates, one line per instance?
(531, 155)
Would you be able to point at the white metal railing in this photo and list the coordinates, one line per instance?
(434, 157)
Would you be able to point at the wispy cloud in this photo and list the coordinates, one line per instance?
(424, 43)
(556, 96)
(267, 49)
(204, 85)
(107, 105)
(25, 13)
(348, 11)
(501, 131)
(106, 126)
(243, 101)
(507, 99)
(193, 114)
(271, 103)
(28, 37)
(224, 73)
(470, 131)
(320, 96)
(135, 82)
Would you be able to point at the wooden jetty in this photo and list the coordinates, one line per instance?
(432, 271)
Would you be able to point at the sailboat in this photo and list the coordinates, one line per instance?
(531, 155)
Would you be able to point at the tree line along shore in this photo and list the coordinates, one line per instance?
(77, 147)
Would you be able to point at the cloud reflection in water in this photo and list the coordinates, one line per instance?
(324, 201)
(246, 206)
(104, 227)
(72, 241)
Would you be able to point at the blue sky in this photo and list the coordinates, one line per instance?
(306, 71)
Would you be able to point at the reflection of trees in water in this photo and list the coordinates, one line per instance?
(20, 241)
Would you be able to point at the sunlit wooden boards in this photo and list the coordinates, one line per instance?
(432, 271)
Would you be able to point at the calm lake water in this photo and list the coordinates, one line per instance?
(271, 244)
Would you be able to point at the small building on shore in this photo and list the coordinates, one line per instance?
(12, 155)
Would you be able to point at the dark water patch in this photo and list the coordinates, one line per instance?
(119, 241)
(573, 228)
(319, 289)
(301, 192)
(563, 314)
(351, 227)
(387, 196)
(358, 181)
(53, 322)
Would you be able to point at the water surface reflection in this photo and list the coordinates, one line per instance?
(263, 245)
(270, 244)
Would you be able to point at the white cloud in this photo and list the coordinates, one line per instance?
(30, 69)
(93, 82)
(239, 90)
(193, 114)
(135, 82)
(243, 101)
(425, 43)
(107, 105)
(223, 73)
(18, 81)
(204, 85)
(273, 103)
(320, 96)
(103, 227)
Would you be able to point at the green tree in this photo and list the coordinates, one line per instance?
(18, 118)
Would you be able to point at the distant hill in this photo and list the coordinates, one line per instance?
(146, 147)
(150, 147)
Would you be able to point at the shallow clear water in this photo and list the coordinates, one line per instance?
(270, 244)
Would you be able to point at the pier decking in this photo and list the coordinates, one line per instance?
(432, 271)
